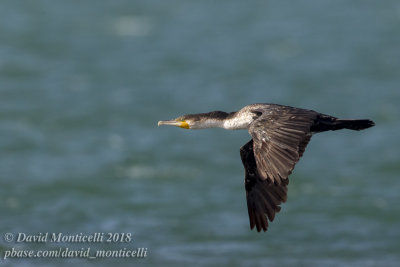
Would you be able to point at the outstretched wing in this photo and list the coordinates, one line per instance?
(263, 195)
(280, 136)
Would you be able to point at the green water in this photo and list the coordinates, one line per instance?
(83, 84)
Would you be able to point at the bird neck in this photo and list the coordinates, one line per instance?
(228, 121)
(237, 121)
(220, 119)
(214, 119)
(208, 123)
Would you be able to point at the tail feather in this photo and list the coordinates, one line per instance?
(327, 123)
(354, 124)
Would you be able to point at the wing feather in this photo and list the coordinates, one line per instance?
(280, 135)
(263, 196)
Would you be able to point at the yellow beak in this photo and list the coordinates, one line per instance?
(182, 124)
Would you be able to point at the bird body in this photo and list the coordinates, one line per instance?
(280, 135)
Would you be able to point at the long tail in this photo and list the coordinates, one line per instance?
(327, 123)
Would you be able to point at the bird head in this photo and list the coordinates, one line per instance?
(183, 121)
(198, 121)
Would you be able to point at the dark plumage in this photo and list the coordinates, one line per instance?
(217, 115)
(280, 135)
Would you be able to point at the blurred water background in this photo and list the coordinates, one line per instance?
(83, 84)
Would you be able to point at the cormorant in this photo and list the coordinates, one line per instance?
(280, 135)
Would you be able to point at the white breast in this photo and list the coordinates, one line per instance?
(238, 122)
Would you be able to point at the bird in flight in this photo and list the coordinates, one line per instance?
(280, 135)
